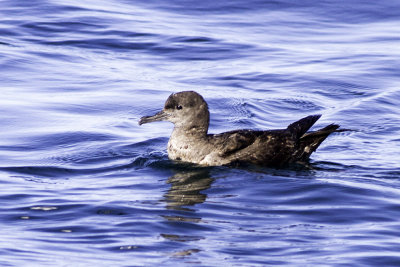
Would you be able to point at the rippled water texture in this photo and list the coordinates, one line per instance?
(83, 185)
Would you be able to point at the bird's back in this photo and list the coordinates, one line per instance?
(272, 148)
(268, 148)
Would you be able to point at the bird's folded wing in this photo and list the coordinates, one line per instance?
(231, 142)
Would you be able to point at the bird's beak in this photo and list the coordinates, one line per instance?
(160, 116)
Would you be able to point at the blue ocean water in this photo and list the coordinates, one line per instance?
(83, 185)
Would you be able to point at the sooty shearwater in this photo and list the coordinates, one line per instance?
(190, 142)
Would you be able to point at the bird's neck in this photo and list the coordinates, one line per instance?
(190, 132)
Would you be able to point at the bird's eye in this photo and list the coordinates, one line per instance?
(179, 107)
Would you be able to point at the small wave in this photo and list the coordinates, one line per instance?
(64, 139)
(98, 159)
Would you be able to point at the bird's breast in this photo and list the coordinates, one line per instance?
(184, 149)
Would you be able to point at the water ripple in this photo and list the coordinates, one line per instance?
(80, 178)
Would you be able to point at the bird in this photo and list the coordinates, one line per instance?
(190, 141)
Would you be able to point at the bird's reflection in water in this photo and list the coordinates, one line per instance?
(187, 188)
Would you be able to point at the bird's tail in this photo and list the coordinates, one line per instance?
(309, 142)
(300, 127)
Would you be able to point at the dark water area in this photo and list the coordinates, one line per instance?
(81, 184)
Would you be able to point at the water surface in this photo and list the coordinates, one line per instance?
(82, 184)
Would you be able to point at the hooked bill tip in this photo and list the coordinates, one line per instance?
(142, 120)
(160, 116)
